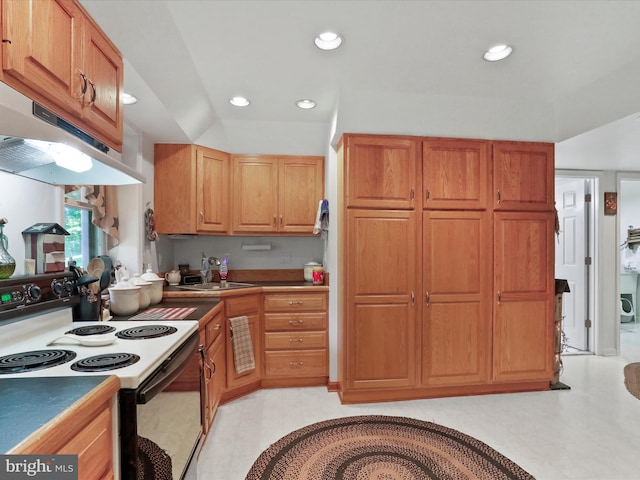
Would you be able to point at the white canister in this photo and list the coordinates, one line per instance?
(308, 270)
(156, 286)
(124, 298)
(145, 290)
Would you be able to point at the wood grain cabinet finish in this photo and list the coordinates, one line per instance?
(55, 54)
(276, 194)
(456, 268)
(191, 185)
(383, 274)
(295, 339)
(456, 299)
(456, 174)
(251, 306)
(524, 308)
(523, 177)
(381, 172)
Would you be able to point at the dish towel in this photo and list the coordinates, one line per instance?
(321, 225)
(243, 358)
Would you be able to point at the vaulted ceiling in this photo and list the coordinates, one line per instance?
(406, 67)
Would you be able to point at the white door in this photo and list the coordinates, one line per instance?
(571, 251)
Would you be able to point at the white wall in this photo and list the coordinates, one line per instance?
(24, 202)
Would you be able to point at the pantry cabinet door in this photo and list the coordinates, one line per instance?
(456, 326)
(381, 284)
(523, 176)
(456, 174)
(523, 330)
(381, 171)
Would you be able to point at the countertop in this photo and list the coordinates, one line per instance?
(203, 306)
(175, 292)
(29, 404)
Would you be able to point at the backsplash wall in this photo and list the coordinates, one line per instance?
(285, 253)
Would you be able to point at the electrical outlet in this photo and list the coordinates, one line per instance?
(285, 257)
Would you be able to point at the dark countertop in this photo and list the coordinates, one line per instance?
(27, 404)
(203, 305)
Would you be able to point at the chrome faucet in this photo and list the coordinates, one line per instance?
(205, 267)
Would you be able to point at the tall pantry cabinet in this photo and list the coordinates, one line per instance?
(447, 269)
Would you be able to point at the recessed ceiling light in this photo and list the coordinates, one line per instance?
(328, 41)
(239, 101)
(128, 99)
(498, 52)
(306, 104)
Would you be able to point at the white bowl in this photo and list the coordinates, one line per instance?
(145, 290)
(124, 298)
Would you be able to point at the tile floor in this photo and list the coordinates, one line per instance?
(591, 432)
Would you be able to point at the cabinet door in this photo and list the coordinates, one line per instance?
(301, 182)
(523, 176)
(455, 174)
(524, 308)
(381, 171)
(45, 49)
(212, 204)
(255, 194)
(381, 285)
(215, 376)
(456, 328)
(174, 182)
(235, 379)
(104, 69)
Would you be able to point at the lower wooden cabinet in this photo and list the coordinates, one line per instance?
(295, 339)
(239, 384)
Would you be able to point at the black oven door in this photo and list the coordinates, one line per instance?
(160, 430)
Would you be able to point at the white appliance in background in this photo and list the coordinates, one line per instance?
(38, 338)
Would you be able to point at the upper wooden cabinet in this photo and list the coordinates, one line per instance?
(381, 171)
(523, 176)
(276, 194)
(455, 174)
(191, 189)
(54, 53)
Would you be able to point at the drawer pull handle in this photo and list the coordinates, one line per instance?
(298, 302)
(295, 322)
(295, 340)
(295, 364)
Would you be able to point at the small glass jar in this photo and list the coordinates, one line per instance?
(318, 275)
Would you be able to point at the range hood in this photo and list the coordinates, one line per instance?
(22, 120)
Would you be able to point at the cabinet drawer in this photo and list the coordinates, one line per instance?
(236, 306)
(308, 363)
(295, 321)
(287, 302)
(214, 327)
(294, 340)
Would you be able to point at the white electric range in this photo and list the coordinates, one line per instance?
(36, 312)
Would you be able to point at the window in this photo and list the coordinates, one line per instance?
(85, 241)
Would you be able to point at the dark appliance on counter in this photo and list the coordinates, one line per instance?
(36, 313)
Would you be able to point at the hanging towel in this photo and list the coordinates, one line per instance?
(243, 358)
(321, 225)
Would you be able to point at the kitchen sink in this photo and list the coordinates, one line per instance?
(205, 287)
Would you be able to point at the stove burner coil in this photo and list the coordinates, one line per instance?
(34, 360)
(146, 331)
(92, 330)
(102, 363)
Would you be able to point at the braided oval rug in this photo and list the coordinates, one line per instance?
(382, 448)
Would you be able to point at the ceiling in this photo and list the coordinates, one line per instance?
(406, 67)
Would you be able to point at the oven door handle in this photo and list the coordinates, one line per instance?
(169, 370)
